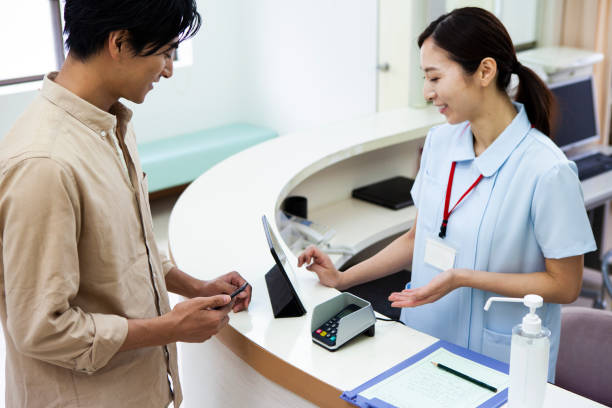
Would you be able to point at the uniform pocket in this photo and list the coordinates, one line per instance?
(496, 345)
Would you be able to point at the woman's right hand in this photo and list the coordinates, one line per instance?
(321, 265)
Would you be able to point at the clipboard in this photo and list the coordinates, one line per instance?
(354, 396)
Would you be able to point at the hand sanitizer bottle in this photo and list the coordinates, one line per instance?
(529, 352)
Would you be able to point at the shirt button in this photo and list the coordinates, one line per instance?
(103, 133)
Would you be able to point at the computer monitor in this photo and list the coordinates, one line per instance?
(576, 120)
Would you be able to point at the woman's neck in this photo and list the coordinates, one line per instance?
(497, 113)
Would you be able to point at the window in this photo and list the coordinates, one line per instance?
(31, 38)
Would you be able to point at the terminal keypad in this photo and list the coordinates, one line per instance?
(328, 331)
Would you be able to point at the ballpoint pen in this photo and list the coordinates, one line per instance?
(464, 376)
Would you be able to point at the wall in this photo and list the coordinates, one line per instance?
(12, 104)
(308, 63)
(203, 95)
(285, 64)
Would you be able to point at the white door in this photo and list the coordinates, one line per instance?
(399, 77)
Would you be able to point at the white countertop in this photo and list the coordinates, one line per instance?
(215, 227)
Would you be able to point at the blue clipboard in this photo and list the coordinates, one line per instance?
(494, 402)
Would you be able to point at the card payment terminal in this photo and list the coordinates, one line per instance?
(340, 319)
(328, 331)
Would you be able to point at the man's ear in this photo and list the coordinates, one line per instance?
(486, 72)
(117, 43)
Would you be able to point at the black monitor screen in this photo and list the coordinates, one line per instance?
(576, 121)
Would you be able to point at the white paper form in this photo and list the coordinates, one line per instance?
(424, 385)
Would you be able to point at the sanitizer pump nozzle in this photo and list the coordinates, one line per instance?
(529, 352)
(531, 321)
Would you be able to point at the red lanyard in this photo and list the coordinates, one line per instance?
(449, 187)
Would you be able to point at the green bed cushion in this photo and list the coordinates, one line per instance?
(181, 159)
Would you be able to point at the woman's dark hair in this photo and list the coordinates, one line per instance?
(471, 34)
(151, 24)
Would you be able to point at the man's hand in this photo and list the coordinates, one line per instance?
(194, 320)
(197, 320)
(227, 284)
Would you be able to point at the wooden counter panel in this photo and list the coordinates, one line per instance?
(282, 373)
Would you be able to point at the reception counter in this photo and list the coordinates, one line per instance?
(215, 227)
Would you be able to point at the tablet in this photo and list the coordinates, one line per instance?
(283, 297)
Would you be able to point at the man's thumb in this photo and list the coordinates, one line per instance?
(214, 301)
(219, 300)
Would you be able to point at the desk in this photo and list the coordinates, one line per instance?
(597, 193)
(215, 227)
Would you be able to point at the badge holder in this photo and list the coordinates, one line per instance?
(345, 316)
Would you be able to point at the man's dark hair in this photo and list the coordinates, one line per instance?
(151, 24)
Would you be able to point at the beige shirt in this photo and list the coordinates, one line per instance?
(78, 259)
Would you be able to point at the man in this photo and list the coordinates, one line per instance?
(84, 290)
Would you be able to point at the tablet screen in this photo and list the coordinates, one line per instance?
(282, 290)
(275, 245)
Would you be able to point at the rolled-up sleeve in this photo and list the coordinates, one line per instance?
(41, 218)
(167, 264)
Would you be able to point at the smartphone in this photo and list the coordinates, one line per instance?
(240, 289)
(234, 293)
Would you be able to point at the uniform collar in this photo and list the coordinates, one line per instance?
(496, 154)
(96, 119)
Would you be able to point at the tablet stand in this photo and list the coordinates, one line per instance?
(284, 303)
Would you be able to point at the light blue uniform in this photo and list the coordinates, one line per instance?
(529, 206)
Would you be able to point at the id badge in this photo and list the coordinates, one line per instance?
(439, 255)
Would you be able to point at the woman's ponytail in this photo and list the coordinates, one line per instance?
(539, 102)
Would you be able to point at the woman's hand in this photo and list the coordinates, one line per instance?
(438, 287)
(321, 265)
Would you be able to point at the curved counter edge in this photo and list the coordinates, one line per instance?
(281, 372)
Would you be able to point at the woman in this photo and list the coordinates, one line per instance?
(500, 208)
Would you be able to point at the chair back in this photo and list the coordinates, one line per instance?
(584, 365)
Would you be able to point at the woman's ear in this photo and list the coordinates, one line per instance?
(486, 72)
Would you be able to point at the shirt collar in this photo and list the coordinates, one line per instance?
(96, 119)
(496, 154)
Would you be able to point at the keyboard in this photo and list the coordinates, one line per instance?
(591, 166)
